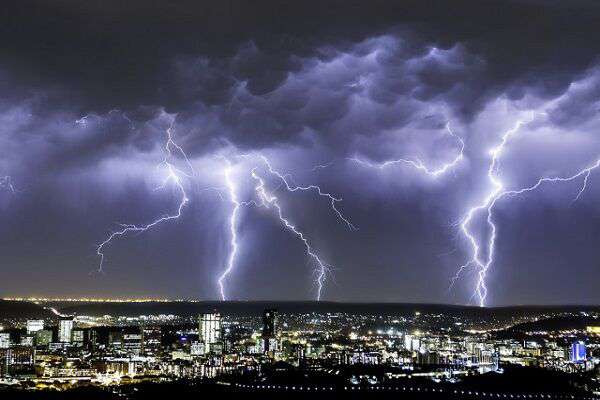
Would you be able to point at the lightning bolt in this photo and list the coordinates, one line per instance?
(83, 121)
(486, 205)
(294, 188)
(6, 183)
(481, 289)
(173, 176)
(233, 222)
(268, 200)
(417, 163)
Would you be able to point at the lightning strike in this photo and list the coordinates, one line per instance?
(268, 200)
(233, 222)
(294, 188)
(173, 176)
(486, 205)
(6, 183)
(417, 163)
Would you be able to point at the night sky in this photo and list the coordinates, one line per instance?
(327, 91)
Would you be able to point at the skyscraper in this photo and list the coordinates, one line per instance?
(209, 329)
(4, 340)
(151, 339)
(65, 328)
(34, 325)
(43, 337)
(269, 331)
(578, 352)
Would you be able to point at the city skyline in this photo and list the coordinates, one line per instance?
(420, 351)
(378, 152)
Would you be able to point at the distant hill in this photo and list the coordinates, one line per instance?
(557, 324)
(254, 308)
(23, 310)
(296, 307)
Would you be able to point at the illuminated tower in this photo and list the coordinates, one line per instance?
(209, 329)
(4, 340)
(34, 325)
(578, 352)
(269, 331)
(65, 328)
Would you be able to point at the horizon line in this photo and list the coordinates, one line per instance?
(35, 299)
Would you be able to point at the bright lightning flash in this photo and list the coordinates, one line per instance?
(417, 163)
(488, 203)
(6, 183)
(174, 176)
(268, 200)
(233, 222)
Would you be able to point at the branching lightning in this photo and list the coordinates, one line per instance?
(6, 183)
(173, 176)
(294, 188)
(267, 200)
(486, 204)
(417, 163)
(233, 222)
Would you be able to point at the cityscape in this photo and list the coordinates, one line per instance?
(303, 198)
(418, 350)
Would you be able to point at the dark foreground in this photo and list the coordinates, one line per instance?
(186, 391)
(519, 383)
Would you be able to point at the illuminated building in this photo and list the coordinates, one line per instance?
(578, 352)
(43, 337)
(26, 340)
(4, 340)
(197, 349)
(595, 330)
(151, 339)
(269, 330)
(77, 336)
(209, 330)
(132, 343)
(115, 339)
(34, 325)
(65, 328)
(17, 356)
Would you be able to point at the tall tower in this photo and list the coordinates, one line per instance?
(209, 329)
(269, 331)
(65, 329)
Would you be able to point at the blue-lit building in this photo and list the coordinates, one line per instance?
(578, 352)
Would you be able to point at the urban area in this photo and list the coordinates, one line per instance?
(292, 352)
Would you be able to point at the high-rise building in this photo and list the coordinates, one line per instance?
(115, 339)
(34, 325)
(209, 329)
(269, 331)
(20, 355)
(197, 349)
(65, 329)
(132, 342)
(4, 340)
(151, 339)
(78, 336)
(43, 338)
(578, 352)
(26, 340)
